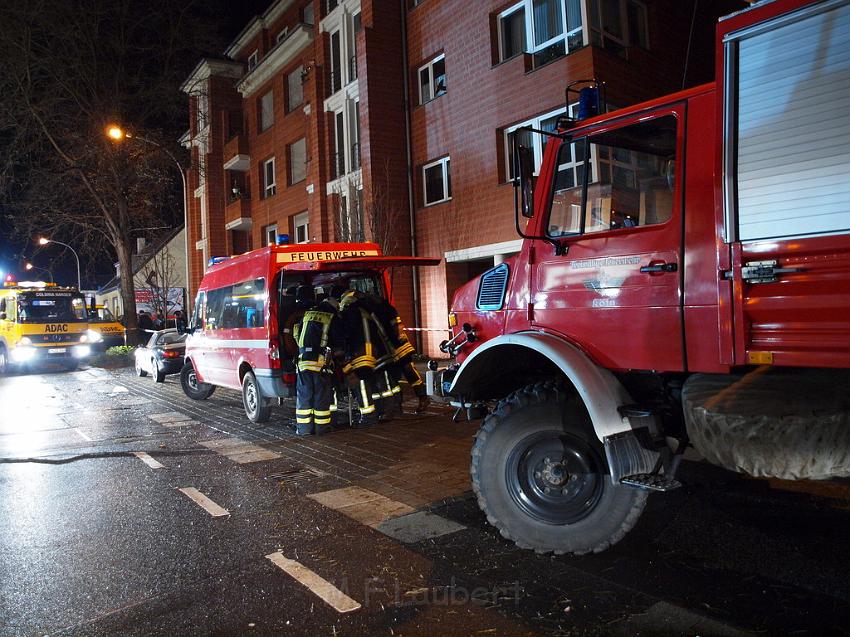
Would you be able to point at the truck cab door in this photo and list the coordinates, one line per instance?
(617, 290)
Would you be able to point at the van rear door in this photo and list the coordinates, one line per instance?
(787, 182)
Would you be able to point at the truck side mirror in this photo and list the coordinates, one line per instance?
(524, 170)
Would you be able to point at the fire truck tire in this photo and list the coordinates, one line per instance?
(541, 477)
(158, 376)
(257, 408)
(192, 387)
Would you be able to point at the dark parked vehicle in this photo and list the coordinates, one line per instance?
(162, 355)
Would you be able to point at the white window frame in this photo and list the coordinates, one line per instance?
(536, 122)
(299, 221)
(253, 59)
(270, 232)
(530, 46)
(432, 95)
(446, 170)
(499, 18)
(269, 189)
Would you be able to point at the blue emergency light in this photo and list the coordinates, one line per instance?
(216, 260)
(282, 239)
(588, 102)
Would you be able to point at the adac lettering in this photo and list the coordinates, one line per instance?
(59, 327)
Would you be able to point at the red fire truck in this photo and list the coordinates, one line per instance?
(240, 336)
(684, 280)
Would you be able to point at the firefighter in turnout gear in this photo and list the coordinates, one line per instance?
(319, 338)
(360, 352)
(400, 349)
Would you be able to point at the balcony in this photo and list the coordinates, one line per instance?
(237, 213)
(236, 154)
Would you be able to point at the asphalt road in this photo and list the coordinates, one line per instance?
(127, 509)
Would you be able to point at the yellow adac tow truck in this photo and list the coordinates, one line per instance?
(107, 331)
(41, 322)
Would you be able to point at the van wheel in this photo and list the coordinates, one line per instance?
(192, 387)
(257, 408)
(541, 476)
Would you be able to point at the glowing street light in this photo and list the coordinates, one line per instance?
(118, 134)
(43, 241)
(29, 266)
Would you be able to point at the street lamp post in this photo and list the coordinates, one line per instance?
(118, 134)
(44, 241)
(30, 266)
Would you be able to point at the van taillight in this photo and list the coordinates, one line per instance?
(274, 352)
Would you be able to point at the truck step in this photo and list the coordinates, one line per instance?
(650, 482)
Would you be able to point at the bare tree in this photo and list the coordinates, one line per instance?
(383, 217)
(161, 275)
(69, 70)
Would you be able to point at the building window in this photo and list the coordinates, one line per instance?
(547, 122)
(432, 79)
(201, 110)
(253, 59)
(355, 142)
(618, 24)
(266, 108)
(294, 89)
(547, 29)
(301, 225)
(282, 35)
(270, 234)
(330, 5)
(336, 61)
(437, 181)
(339, 141)
(298, 161)
(268, 178)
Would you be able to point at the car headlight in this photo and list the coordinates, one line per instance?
(80, 351)
(23, 353)
(25, 341)
(91, 337)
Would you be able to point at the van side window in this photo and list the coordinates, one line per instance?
(237, 306)
(198, 315)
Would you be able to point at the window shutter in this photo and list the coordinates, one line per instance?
(793, 120)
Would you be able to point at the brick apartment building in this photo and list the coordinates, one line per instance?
(387, 120)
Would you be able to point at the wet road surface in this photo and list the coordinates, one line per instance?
(126, 508)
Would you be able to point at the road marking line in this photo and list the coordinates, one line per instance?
(153, 464)
(169, 416)
(367, 507)
(81, 434)
(239, 450)
(204, 502)
(319, 586)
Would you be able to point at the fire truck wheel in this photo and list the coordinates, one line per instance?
(140, 372)
(158, 376)
(541, 476)
(192, 387)
(257, 408)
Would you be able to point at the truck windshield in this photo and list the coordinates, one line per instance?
(632, 173)
(52, 307)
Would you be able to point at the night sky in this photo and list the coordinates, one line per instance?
(13, 254)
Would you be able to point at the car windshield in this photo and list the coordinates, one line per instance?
(51, 307)
(101, 315)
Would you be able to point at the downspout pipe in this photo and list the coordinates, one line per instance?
(417, 310)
